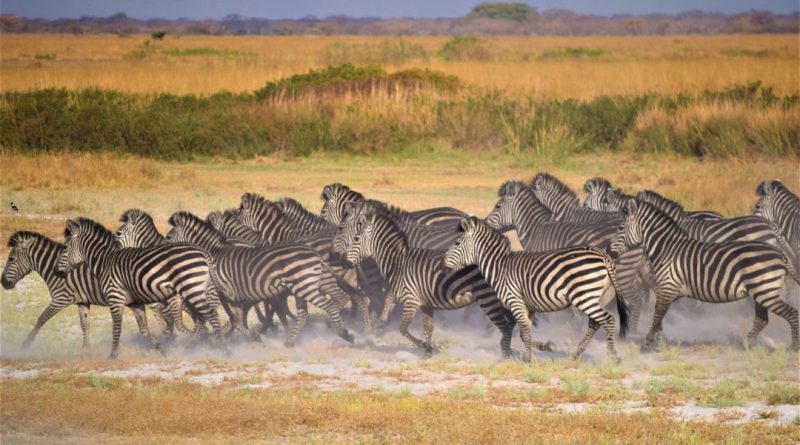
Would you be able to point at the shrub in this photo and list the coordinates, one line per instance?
(387, 52)
(572, 53)
(518, 12)
(158, 35)
(469, 48)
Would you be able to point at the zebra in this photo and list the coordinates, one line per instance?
(518, 208)
(705, 271)
(777, 204)
(247, 275)
(741, 228)
(581, 277)
(228, 224)
(418, 279)
(139, 230)
(34, 252)
(336, 196)
(134, 277)
(598, 189)
(274, 226)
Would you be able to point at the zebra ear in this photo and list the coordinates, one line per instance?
(466, 224)
(214, 218)
(349, 209)
(537, 182)
(71, 227)
(326, 193)
(24, 242)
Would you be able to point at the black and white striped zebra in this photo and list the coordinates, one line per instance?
(417, 277)
(134, 277)
(33, 252)
(274, 226)
(246, 276)
(518, 208)
(581, 277)
(777, 204)
(337, 196)
(710, 272)
(230, 226)
(597, 198)
(139, 230)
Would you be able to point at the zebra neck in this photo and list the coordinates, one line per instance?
(491, 259)
(389, 251)
(658, 241)
(526, 219)
(45, 265)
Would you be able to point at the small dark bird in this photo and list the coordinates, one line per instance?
(14, 208)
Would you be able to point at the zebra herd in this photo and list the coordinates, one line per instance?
(372, 256)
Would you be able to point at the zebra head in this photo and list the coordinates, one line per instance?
(335, 197)
(464, 250)
(361, 240)
(19, 262)
(188, 228)
(765, 206)
(668, 206)
(613, 200)
(84, 238)
(554, 194)
(259, 214)
(629, 234)
(596, 189)
(137, 230)
(502, 216)
(345, 231)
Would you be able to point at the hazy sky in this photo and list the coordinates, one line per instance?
(201, 9)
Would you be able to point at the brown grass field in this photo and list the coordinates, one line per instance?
(699, 388)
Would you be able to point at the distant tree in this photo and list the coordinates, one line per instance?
(158, 35)
(518, 12)
(633, 26)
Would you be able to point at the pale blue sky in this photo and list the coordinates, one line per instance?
(202, 9)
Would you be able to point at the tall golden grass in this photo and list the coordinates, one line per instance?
(631, 65)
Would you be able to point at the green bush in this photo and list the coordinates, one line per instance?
(572, 53)
(518, 12)
(469, 48)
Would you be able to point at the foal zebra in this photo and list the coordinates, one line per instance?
(247, 275)
(710, 272)
(417, 276)
(582, 277)
(134, 277)
(33, 252)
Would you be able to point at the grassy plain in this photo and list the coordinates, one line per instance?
(628, 65)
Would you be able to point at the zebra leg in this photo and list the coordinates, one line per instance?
(332, 309)
(116, 328)
(176, 308)
(302, 317)
(160, 314)
(761, 320)
(83, 314)
(141, 320)
(53, 308)
(771, 300)
(410, 308)
(502, 319)
(662, 306)
(202, 304)
(427, 328)
(388, 307)
(333, 287)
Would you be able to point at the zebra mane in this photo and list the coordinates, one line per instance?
(666, 205)
(596, 184)
(184, 217)
(294, 210)
(94, 227)
(481, 225)
(134, 214)
(18, 236)
(510, 188)
(773, 186)
(369, 211)
(337, 188)
(559, 187)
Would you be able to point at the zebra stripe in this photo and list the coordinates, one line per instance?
(599, 197)
(581, 277)
(711, 272)
(248, 275)
(779, 205)
(417, 277)
(134, 277)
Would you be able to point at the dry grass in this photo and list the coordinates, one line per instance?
(633, 65)
(86, 407)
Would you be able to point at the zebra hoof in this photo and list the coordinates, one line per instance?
(348, 337)
(113, 356)
(794, 347)
(289, 343)
(548, 346)
(26, 344)
(162, 350)
(648, 347)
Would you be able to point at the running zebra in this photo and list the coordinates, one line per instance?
(417, 277)
(137, 276)
(741, 228)
(246, 276)
(336, 196)
(710, 272)
(268, 219)
(780, 206)
(139, 230)
(598, 195)
(33, 252)
(581, 277)
(518, 208)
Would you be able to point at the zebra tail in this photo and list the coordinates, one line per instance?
(622, 308)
